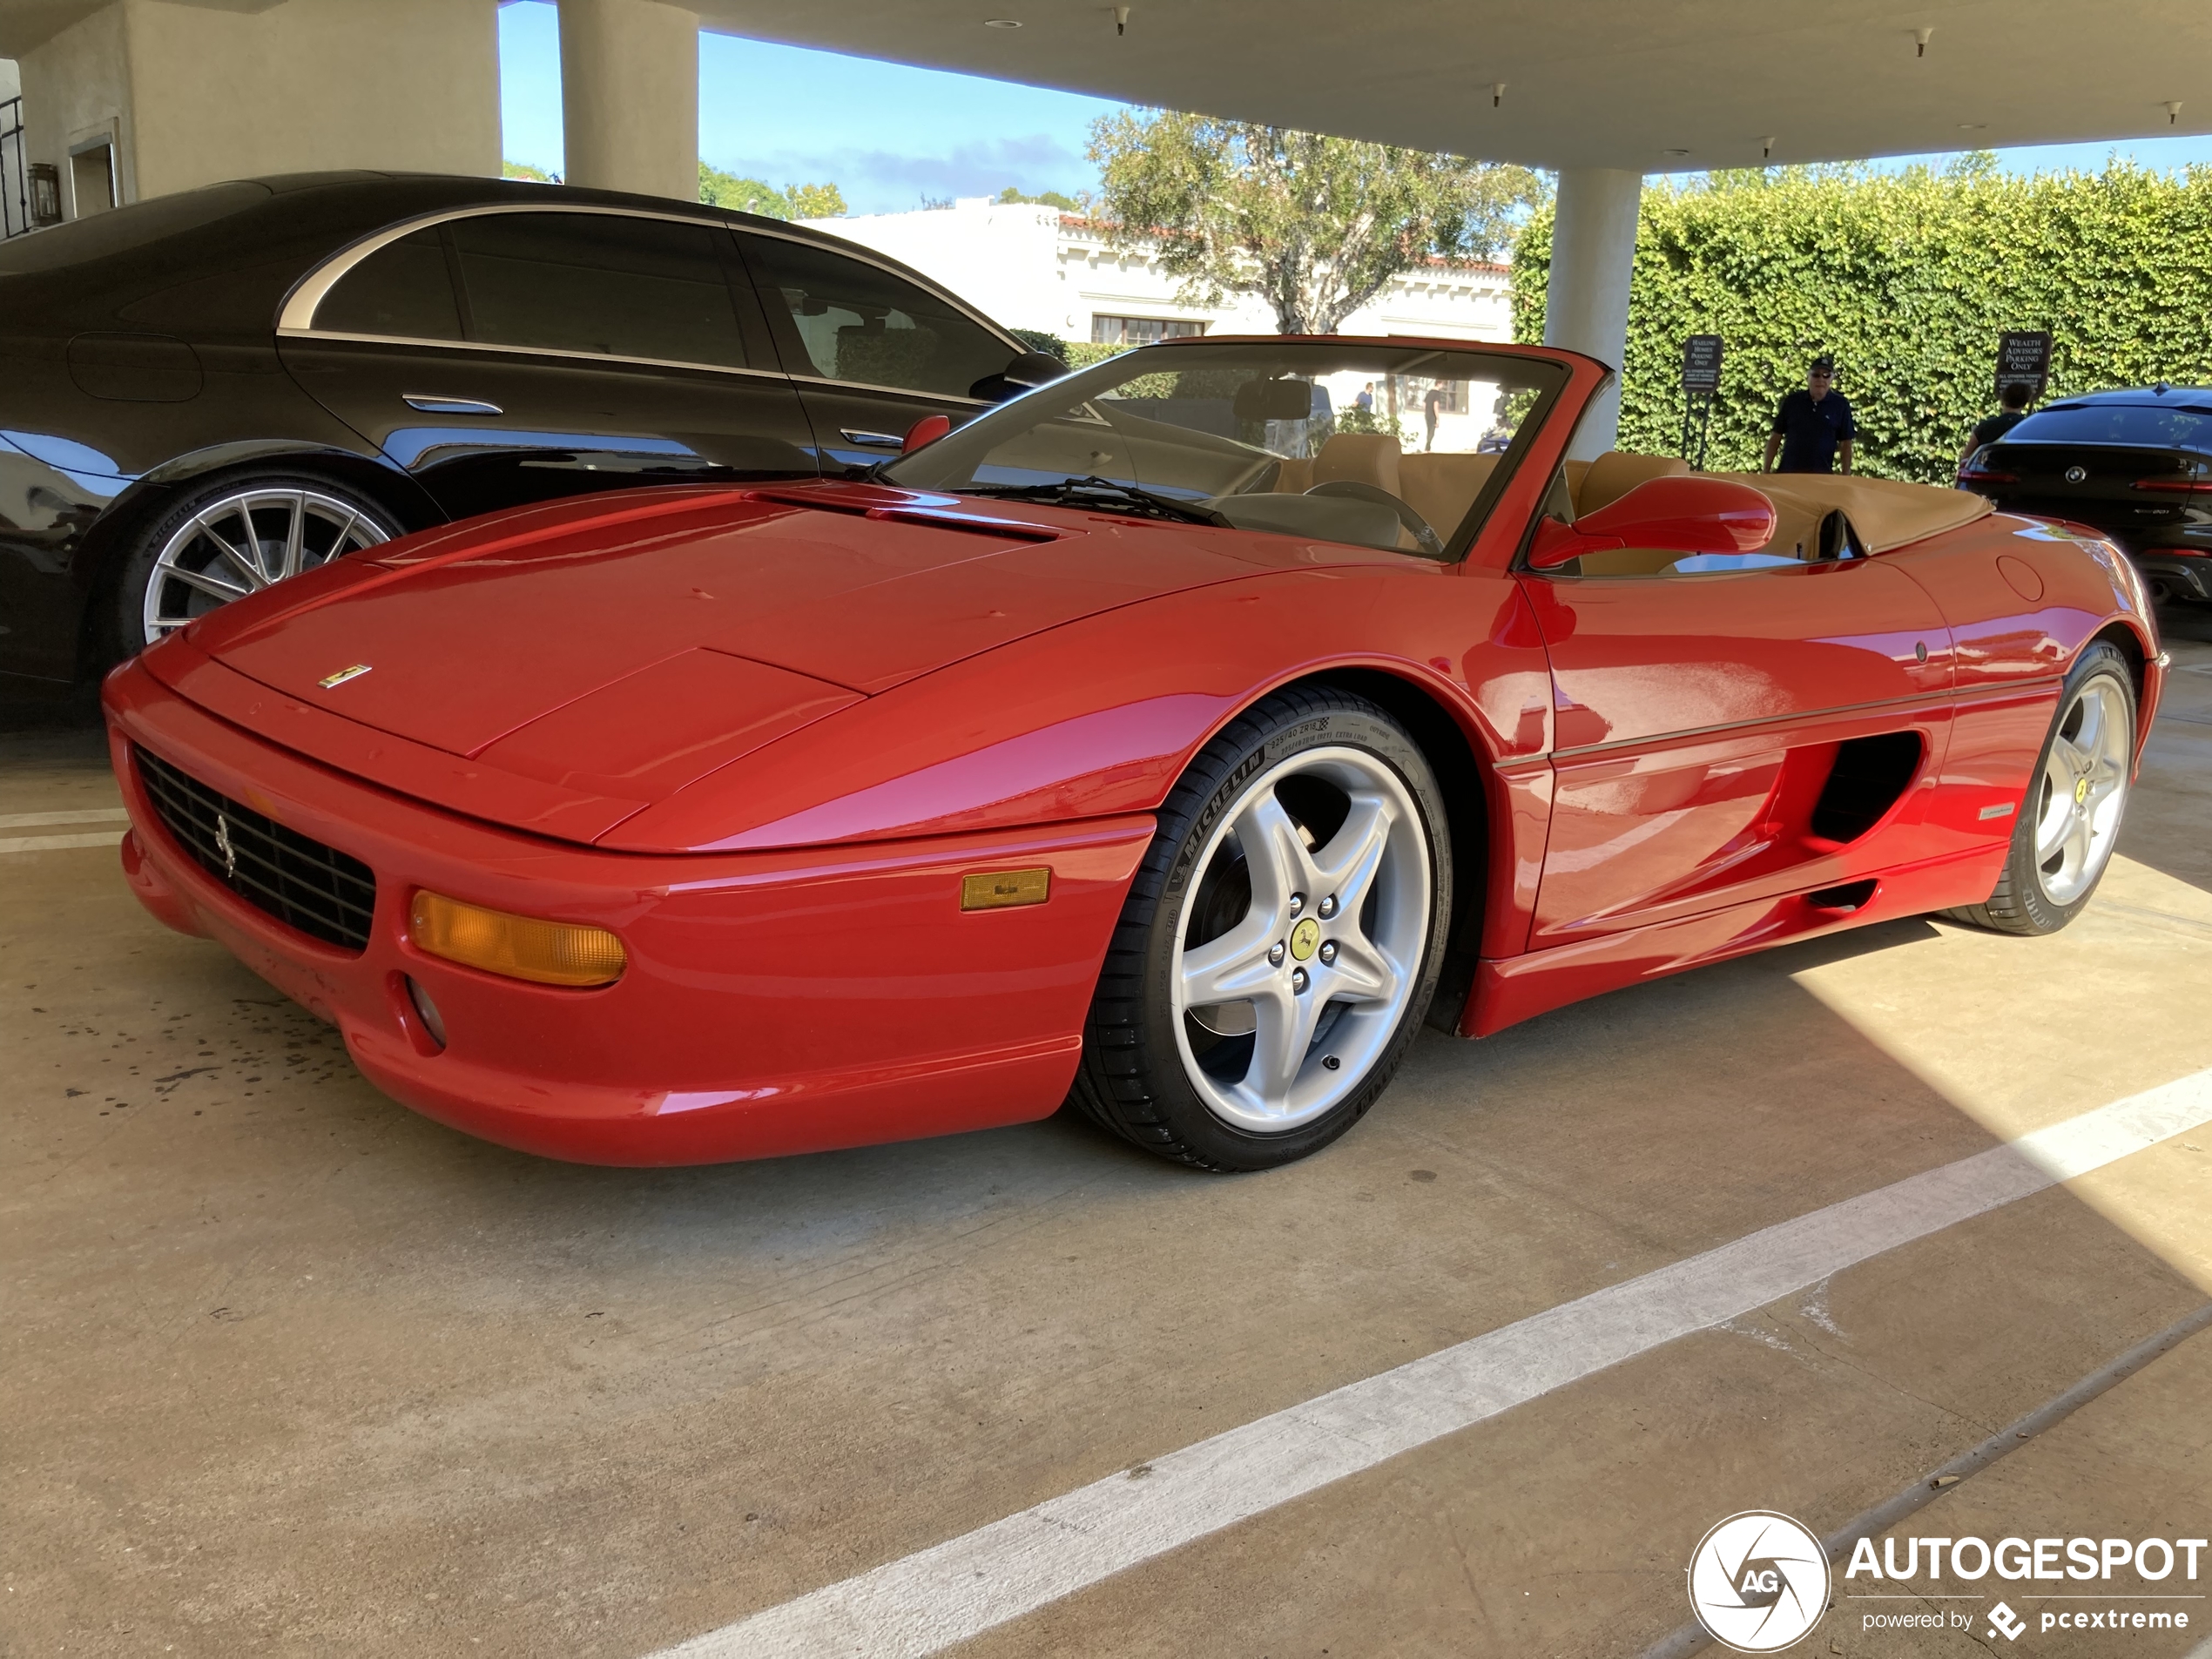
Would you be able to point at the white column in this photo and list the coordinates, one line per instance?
(1586, 304)
(630, 96)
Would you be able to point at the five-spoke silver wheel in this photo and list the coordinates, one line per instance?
(2083, 789)
(245, 541)
(1302, 939)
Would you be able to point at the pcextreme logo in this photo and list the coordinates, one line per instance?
(1758, 1582)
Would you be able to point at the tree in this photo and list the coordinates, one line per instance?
(1043, 198)
(1316, 225)
(815, 201)
(720, 189)
(523, 170)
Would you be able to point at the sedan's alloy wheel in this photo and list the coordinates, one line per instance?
(242, 542)
(1302, 939)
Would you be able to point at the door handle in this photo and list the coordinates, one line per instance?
(429, 405)
(874, 440)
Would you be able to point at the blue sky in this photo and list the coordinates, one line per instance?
(889, 136)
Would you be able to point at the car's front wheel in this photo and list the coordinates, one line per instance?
(233, 538)
(1281, 940)
(2064, 833)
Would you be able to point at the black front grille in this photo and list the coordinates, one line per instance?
(302, 883)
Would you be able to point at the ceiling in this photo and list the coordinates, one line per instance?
(1647, 86)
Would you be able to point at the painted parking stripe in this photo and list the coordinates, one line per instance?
(48, 843)
(951, 1591)
(78, 815)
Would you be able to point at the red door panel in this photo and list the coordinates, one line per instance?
(1698, 720)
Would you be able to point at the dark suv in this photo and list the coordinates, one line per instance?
(208, 391)
(2136, 465)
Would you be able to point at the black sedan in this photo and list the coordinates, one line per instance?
(2136, 465)
(206, 393)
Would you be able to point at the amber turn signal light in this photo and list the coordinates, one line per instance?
(551, 953)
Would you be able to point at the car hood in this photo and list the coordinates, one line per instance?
(620, 647)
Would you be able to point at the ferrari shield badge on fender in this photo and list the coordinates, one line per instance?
(343, 675)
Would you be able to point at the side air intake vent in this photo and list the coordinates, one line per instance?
(1868, 777)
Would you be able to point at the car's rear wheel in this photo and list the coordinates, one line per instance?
(1281, 940)
(2065, 831)
(234, 538)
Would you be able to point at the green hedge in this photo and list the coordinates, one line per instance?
(1907, 278)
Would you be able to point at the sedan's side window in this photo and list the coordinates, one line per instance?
(402, 291)
(605, 284)
(857, 323)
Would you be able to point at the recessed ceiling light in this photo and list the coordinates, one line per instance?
(1002, 23)
(1974, 127)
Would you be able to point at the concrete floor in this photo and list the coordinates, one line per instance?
(285, 1369)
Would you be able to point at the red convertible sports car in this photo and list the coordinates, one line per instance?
(1157, 740)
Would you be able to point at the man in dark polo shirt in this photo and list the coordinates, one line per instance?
(1813, 426)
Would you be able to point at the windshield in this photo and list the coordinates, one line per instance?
(2144, 425)
(1371, 441)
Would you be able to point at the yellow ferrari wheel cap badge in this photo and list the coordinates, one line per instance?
(1306, 938)
(2081, 792)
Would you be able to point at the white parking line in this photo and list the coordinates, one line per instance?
(951, 1591)
(48, 843)
(77, 815)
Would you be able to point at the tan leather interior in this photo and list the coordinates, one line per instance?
(1442, 488)
(1359, 457)
(1614, 474)
(1294, 477)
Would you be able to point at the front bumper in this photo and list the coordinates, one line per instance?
(774, 1002)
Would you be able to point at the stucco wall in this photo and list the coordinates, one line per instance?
(312, 84)
(198, 93)
(74, 87)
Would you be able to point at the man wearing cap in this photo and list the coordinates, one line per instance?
(1812, 428)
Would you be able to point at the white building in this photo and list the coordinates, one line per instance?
(1032, 266)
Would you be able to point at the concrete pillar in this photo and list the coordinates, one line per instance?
(630, 96)
(1586, 304)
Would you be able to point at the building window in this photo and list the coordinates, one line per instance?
(1141, 331)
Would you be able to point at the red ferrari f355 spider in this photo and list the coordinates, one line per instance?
(1174, 739)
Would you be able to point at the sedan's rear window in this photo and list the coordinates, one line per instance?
(402, 290)
(2139, 425)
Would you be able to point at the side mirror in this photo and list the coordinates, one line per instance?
(1028, 370)
(927, 430)
(1684, 515)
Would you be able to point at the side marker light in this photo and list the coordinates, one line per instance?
(1000, 889)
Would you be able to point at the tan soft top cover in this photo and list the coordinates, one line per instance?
(1885, 513)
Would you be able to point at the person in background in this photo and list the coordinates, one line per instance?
(1432, 407)
(1365, 401)
(1812, 428)
(2013, 409)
